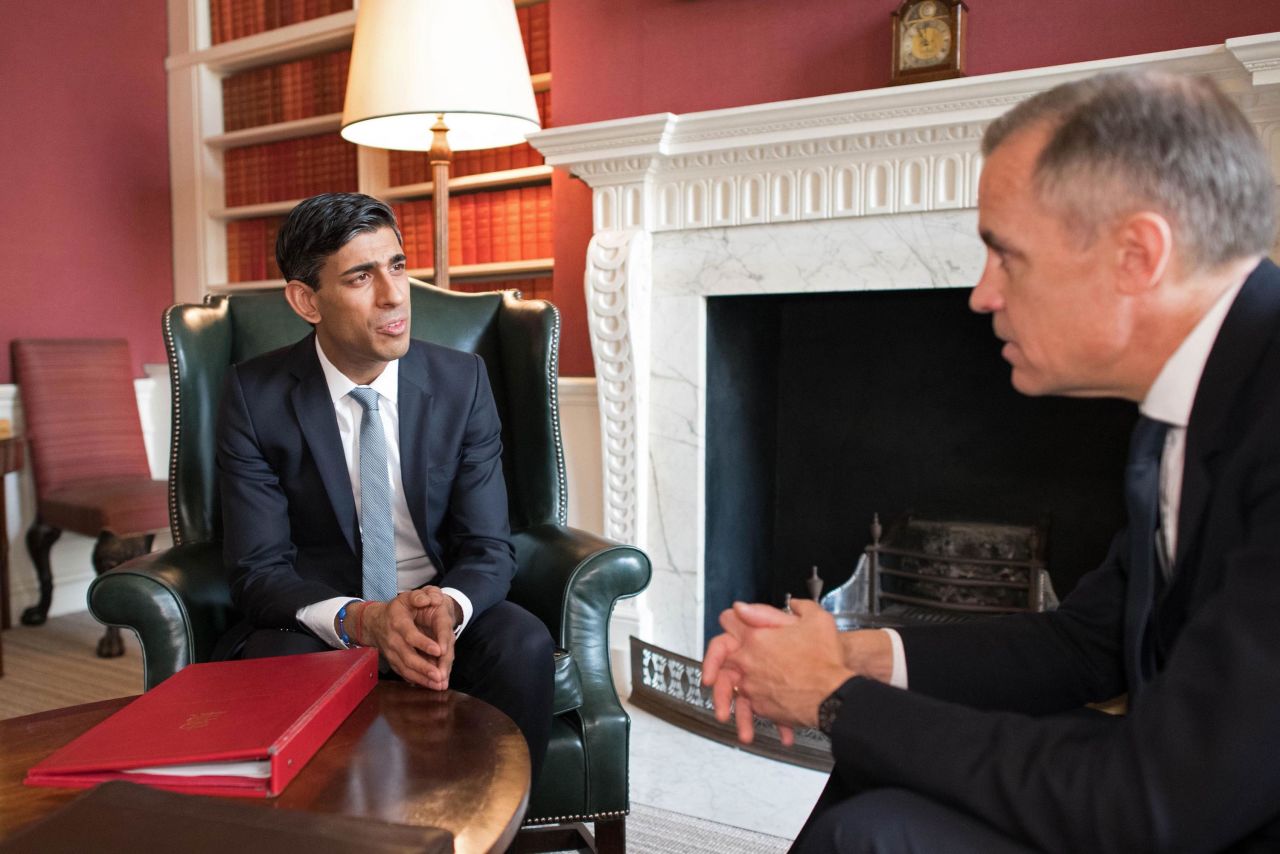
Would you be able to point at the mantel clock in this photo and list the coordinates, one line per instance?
(928, 40)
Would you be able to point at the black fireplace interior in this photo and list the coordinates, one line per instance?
(825, 408)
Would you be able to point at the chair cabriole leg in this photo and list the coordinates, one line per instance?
(40, 539)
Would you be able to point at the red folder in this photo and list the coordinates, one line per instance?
(273, 712)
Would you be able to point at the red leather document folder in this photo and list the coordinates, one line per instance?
(235, 728)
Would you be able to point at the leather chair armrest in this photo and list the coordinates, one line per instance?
(571, 579)
(176, 601)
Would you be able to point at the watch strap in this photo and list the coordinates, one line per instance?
(828, 710)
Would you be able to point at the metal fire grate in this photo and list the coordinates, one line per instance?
(922, 571)
(931, 571)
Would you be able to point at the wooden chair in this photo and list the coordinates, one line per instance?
(91, 473)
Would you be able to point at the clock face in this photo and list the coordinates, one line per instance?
(925, 43)
(926, 36)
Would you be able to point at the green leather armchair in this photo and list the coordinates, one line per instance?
(178, 602)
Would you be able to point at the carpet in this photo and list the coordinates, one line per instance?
(651, 830)
(55, 665)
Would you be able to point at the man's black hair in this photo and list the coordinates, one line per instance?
(321, 225)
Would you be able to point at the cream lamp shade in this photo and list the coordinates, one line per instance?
(413, 60)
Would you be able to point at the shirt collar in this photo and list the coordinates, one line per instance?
(1174, 391)
(387, 383)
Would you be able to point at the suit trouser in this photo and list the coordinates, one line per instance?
(880, 821)
(505, 657)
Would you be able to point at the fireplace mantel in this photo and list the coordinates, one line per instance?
(867, 190)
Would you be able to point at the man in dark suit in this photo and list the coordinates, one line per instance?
(361, 477)
(1126, 218)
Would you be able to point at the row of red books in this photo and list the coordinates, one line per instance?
(235, 19)
(414, 167)
(289, 169)
(486, 227)
(251, 249)
(314, 86)
(535, 29)
(538, 287)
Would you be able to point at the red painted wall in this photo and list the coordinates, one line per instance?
(611, 59)
(85, 245)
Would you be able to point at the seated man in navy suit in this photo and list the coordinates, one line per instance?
(1126, 218)
(363, 499)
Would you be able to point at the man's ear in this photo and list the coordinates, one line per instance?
(1143, 252)
(302, 298)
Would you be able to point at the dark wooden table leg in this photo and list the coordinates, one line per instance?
(4, 560)
(10, 460)
(4, 568)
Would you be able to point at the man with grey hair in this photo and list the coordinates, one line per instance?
(1126, 218)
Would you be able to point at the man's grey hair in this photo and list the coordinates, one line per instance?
(1128, 141)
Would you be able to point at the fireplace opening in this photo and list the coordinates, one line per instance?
(823, 409)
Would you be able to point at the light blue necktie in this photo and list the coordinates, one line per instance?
(377, 534)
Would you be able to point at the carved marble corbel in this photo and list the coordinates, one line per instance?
(618, 286)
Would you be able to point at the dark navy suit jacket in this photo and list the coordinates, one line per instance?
(291, 536)
(1195, 764)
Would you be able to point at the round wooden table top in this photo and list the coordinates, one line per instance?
(405, 755)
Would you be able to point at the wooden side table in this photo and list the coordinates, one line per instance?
(10, 461)
(405, 755)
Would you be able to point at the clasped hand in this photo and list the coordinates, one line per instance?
(778, 665)
(414, 632)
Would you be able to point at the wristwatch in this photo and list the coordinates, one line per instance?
(828, 710)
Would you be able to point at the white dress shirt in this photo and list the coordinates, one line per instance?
(1169, 399)
(413, 567)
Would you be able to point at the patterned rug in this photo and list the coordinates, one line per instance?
(656, 831)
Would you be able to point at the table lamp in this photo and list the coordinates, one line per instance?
(438, 75)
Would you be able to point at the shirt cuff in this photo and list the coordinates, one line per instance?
(319, 618)
(461, 598)
(898, 677)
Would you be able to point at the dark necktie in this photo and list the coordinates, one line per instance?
(377, 533)
(1142, 499)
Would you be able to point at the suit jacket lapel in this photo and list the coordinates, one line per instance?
(415, 425)
(314, 409)
(1247, 329)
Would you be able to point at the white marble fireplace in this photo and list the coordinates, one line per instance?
(871, 190)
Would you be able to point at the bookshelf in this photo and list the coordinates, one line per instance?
(255, 97)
